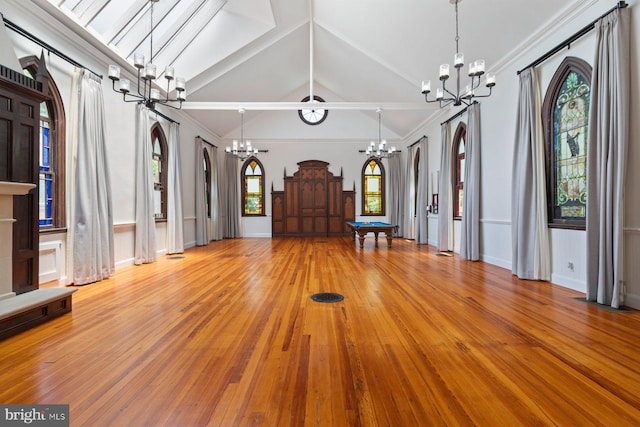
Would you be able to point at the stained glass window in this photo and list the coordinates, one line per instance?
(373, 188)
(566, 111)
(571, 124)
(459, 141)
(159, 171)
(51, 153)
(253, 189)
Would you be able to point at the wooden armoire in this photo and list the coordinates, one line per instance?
(312, 203)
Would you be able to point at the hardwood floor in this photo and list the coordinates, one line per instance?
(228, 335)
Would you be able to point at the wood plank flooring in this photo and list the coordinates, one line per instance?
(228, 336)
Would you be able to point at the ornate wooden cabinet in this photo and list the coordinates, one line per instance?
(312, 203)
(20, 98)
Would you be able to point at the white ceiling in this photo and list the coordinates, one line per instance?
(374, 52)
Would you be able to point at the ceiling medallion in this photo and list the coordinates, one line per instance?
(313, 116)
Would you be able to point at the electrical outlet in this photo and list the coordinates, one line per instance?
(570, 265)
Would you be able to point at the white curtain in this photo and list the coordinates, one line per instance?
(397, 189)
(445, 199)
(175, 215)
(145, 235)
(217, 225)
(606, 159)
(202, 217)
(231, 198)
(529, 235)
(422, 194)
(409, 195)
(470, 225)
(91, 212)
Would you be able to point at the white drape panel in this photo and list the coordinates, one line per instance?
(71, 162)
(396, 188)
(202, 218)
(231, 198)
(145, 235)
(409, 196)
(529, 232)
(92, 225)
(423, 194)
(470, 225)
(445, 199)
(175, 215)
(217, 225)
(606, 160)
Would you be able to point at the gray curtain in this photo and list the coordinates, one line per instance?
(231, 198)
(445, 199)
(396, 188)
(606, 159)
(202, 218)
(422, 194)
(93, 248)
(470, 225)
(175, 214)
(409, 196)
(217, 225)
(529, 232)
(145, 235)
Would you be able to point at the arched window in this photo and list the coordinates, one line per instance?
(207, 180)
(52, 153)
(459, 141)
(565, 116)
(159, 166)
(416, 174)
(253, 188)
(373, 188)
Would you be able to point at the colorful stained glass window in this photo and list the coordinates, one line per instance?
(158, 169)
(373, 191)
(253, 191)
(570, 131)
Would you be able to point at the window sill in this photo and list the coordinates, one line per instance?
(53, 230)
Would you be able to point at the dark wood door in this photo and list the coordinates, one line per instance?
(313, 201)
(19, 136)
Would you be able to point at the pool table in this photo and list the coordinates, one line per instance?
(362, 228)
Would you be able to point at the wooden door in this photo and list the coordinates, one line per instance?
(313, 200)
(20, 99)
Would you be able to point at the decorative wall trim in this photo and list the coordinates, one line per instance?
(504, 263)
(496, 221)
(568, 282)
(51, 261)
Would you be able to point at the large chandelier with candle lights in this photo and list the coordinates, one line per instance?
(476, 70)
(379, 150)
(242, 149)
(145, 92)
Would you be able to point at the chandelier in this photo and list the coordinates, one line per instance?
(476, 69)
(379, 150)
(146, 93)
(242, 149)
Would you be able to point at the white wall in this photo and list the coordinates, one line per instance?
(498, 118)
(290, 141)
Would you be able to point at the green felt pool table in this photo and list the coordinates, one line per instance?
(362, 228)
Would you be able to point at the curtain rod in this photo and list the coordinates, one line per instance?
(423, 136)
(459, 113)
(162, 115)
(24, 33)
(576, 36)
(206, 142)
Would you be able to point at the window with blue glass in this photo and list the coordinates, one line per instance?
(51, 153)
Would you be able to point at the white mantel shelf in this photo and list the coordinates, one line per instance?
(15, 188)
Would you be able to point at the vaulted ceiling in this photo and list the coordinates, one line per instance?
(365, 53)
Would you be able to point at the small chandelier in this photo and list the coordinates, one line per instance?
(242, 149)
(379, 150)
(145, 93)
(476, 70)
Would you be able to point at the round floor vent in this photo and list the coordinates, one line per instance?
(327, 297)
